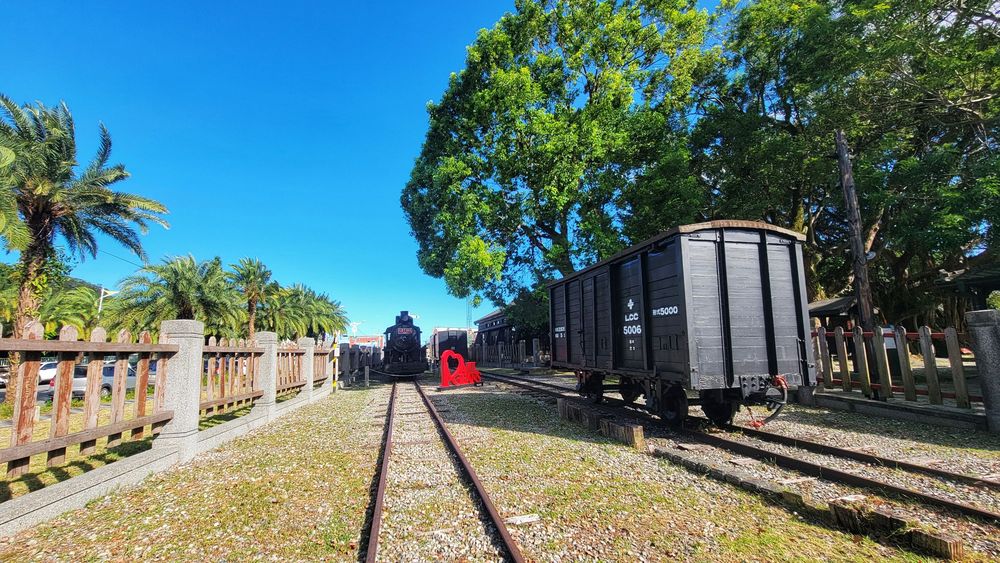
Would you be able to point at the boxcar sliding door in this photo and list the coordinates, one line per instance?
(558, 299)
(574, 322)
(629, 303)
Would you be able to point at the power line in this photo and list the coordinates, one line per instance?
(127, 261)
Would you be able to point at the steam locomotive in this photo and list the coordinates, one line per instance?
(404, 356)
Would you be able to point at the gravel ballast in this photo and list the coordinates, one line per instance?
(428, 513)
(596, 500)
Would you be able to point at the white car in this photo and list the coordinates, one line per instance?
(46, 371)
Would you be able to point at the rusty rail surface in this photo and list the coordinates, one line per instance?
(795, 464)
(383, 473)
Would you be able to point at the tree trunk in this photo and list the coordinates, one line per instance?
(861, 284)
(32, 264)
(251, 318)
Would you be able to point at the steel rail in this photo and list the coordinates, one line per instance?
(821, 448)
(786, 461)
(508, 542)
(383, 474)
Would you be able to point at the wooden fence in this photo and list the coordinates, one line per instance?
(230, 380)
(513, 355)
(840, 364)
(82, 426)
(323, 366)
(290, 359)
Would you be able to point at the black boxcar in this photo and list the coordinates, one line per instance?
(449, 339)
(713, 313)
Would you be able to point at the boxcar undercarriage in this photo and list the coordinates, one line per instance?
(672, 402)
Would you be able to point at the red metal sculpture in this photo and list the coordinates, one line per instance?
(464, 374)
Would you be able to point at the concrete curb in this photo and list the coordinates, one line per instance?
(951, 417)
(44, 504)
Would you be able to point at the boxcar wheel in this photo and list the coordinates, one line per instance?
(629, 390)
(674, 408)
(721, 413)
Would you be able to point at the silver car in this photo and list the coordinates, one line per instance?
(107, 381)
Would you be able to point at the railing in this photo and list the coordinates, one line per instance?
(290, 360)
(175, 388)
(322, 365)
(508, 355)
(230, 378)
(104, 412)
(861, 360)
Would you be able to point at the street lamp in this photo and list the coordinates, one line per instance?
(100, 300)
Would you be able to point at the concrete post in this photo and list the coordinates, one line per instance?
(182, 393)
(308, 365)
(336, 365)
(366, 376)
(268, 373)
(536, 349)
(984, 328)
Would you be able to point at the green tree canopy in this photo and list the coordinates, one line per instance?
(915, 86)
(534, 145)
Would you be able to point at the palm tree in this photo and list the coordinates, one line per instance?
(253, 279)
(179, 288)
(70, 307)
(54, 199)
(298, 311)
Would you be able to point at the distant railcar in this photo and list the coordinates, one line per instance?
(712, 314)
(403, 354)
(448, 339)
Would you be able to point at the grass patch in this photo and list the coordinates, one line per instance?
(605, 501)
(296, 489)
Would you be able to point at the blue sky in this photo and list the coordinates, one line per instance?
(283, 131)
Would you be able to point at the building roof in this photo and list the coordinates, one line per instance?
(832, 307)
(494, 315)
(986, 277)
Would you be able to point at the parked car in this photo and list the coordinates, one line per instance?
(107, 380)
(46, 371)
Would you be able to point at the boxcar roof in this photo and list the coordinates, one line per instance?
(706, 226)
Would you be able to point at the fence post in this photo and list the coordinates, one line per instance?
(845, 368)
(268, 373)
(930, 366)
(903, 352)
(308, 363)
(336, 365)
(882, 363)
(861, 361)
(824, 352)
(957, 369)
(183, 386)
(984, 328)
(366, 377)
(536, 349)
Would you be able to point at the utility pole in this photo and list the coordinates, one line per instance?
(862, 286)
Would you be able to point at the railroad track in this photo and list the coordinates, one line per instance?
(798, 464)
(419, 418)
